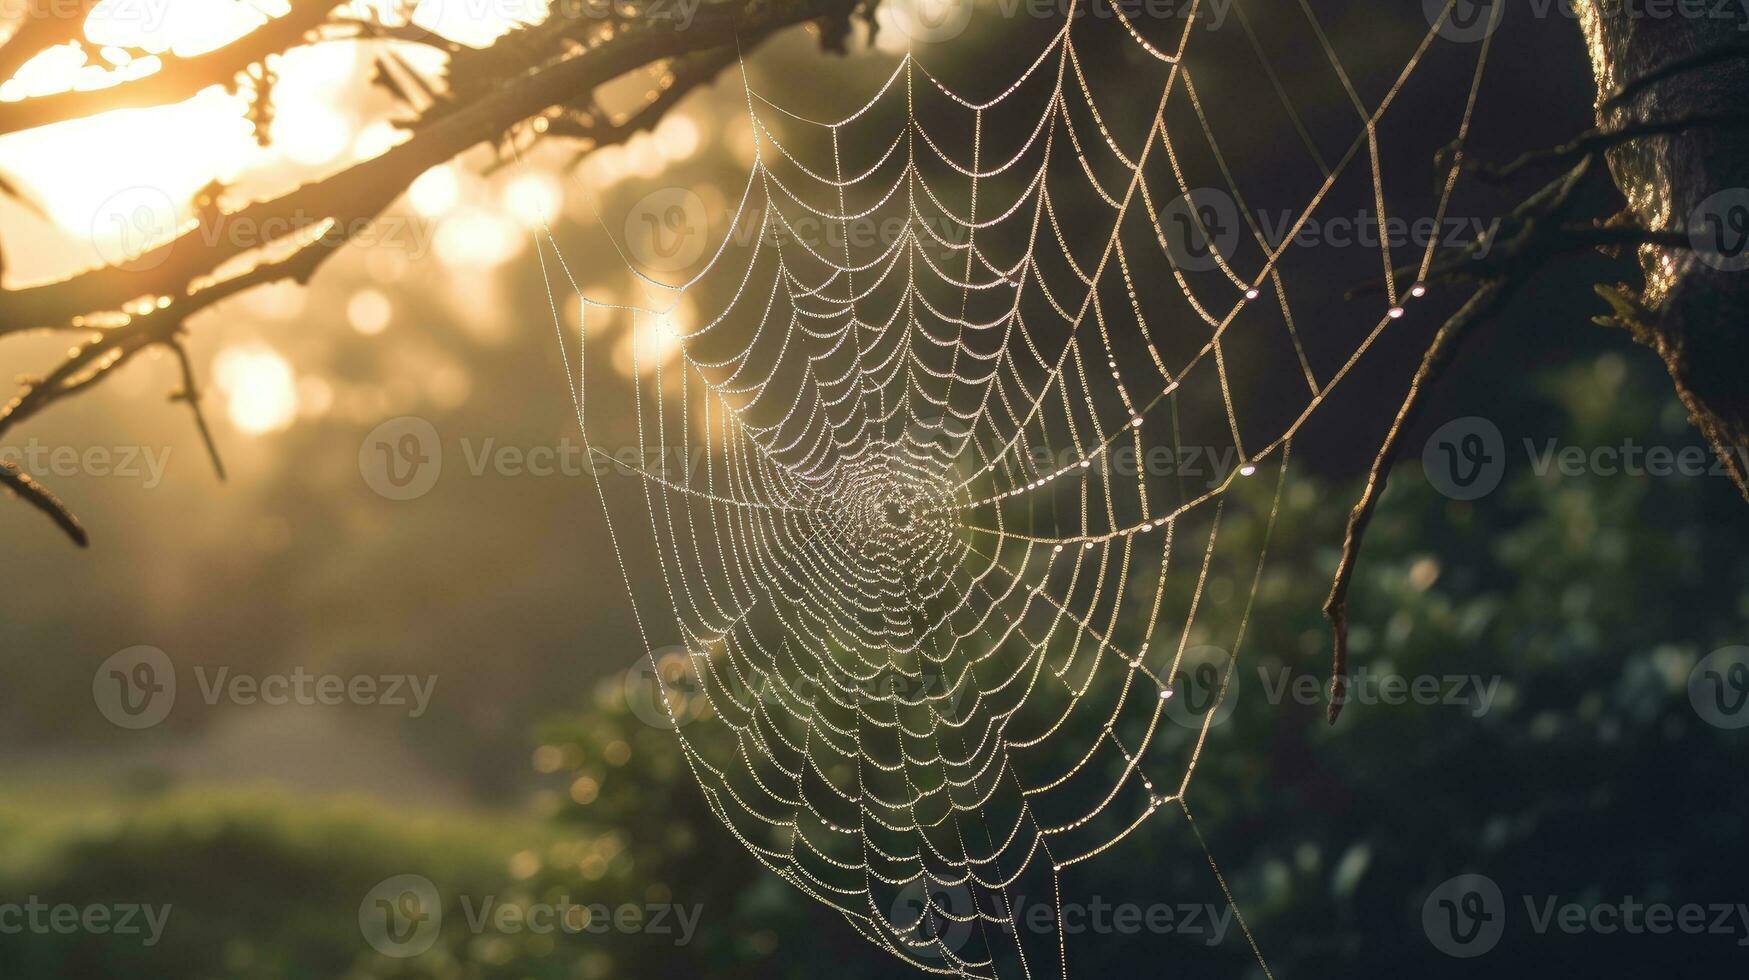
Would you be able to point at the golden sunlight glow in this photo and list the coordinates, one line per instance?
(171, 152)
(260, 389)
(533, 199)
(654, 340)
(474, 236)
(435, 191)
(311, 133)
(677, 137)
(369, 311)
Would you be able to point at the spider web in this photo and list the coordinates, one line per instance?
(922, 629)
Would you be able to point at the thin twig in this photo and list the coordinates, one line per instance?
(1529, 237)
(40, 497)
(1670, 69)
(190, 393)
(1484, 302)
(1594, 140)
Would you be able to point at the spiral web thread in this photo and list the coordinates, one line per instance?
(927, 620)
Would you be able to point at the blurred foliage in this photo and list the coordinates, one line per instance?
(1591, 778)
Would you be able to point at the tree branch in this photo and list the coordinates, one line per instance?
(21, 484)
(178, 79)
(319, 217)
(1526, 240)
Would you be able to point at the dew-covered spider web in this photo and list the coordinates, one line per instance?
(897, 540)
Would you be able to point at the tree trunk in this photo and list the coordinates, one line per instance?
(1694, 307)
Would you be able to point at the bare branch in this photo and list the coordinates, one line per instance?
(1671, 69)
(190, 394)
(1483, 303)
(1594, 140)
(1530, 236)
(26, 487)
(358, 194)
(175, 279)
(179, 79)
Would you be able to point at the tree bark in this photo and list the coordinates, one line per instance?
(1693, 309)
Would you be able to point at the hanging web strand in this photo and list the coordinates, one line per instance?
(922, 633)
